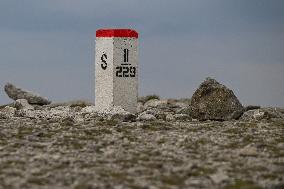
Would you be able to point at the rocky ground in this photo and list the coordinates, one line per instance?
(81, 149)
(211, 141)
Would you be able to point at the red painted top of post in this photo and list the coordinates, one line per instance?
(116, 33)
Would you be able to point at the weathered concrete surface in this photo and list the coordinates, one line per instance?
(214, 101)
(16, 93)
(80, 147)
(116, 70)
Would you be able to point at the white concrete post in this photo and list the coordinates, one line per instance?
(116, 69)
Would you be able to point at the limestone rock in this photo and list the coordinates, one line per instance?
(155, 103)
(16, 93)
(146, 117)
(170, 117)
(214, 101)
(23, 104)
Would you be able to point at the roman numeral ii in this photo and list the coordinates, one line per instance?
(126, 54)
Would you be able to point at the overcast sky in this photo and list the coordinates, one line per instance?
(47, 46)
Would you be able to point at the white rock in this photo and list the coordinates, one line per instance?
(181, 105)
(170, 117)
(219, 177)
(22, 104)
(146, 117)
(258, 115)
(155, 103)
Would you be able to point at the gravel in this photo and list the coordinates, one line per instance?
(97, 152)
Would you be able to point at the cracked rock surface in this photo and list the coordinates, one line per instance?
(78, 147)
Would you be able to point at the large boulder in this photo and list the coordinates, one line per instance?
(214, 101)
(16, 93)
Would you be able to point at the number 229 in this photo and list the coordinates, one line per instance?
(125, 71)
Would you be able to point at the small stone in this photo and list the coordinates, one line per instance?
(248, 151)
(219, 177)
(22, 104)
(248, 115)
(258, 115)
(170, 117)
(281, 145)
(155, 103)
(16, 93)
(146, 117)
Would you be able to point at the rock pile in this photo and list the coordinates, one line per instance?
(211, 101)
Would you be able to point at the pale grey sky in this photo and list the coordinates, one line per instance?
(47, 46)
